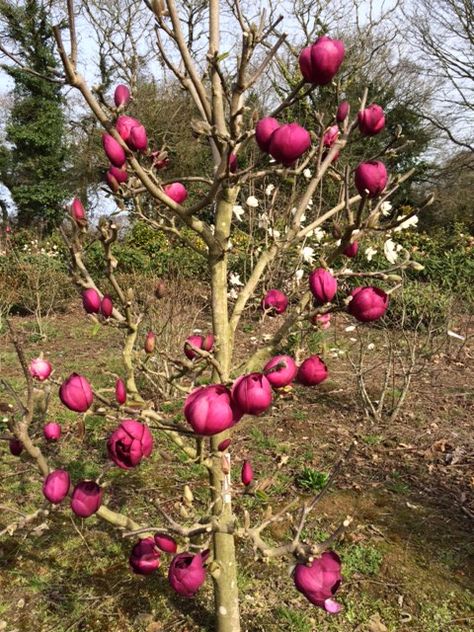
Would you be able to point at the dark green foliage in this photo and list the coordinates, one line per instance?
(32, 162)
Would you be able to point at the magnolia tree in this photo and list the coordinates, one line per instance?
(252, 153)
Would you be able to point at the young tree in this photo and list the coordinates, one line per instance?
(33, 159)
(278, 186)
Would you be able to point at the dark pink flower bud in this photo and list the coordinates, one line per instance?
(145, 557)
(120, 392)
(330, 136)
(150, 341)
(210, 409)
(246, 474)
(288, 143)
(232, 163)
(201, 342)
(351, 249)
(165, 543)
(320, 580)
(252, 393)
(176, 191)
(223, 445)
(312, 371)
(343, 111)
(86, 498)
(120, 175)
(368, 303)
(106, 306)
(320, 62)
(15, 446)
(52, 431)
(187, 573)
(113, 150)
(78, 211)
(323, 286)
(280, 371)
(264, 130)
(371, 120)
(40, 369)
(112, 182)
(130, 443)
(138, 139)
(91, 300)
(371, 178)
(121, 95)
(56, 486)
(160, 159)
(275, 301)
(124, 126)
(76, 393)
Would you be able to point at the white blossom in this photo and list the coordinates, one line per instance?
(391, 250)
(252, 201)
(238, 212)
(319, 234)
(308, 254)
(370, 253)
(299, 274)
(371, 346)
(234, 279)
(408, 223)
(307, 174)
(233, 294)
(385, 208)
(263, 220)
(269, 190)
(273, 233)
(350, 328)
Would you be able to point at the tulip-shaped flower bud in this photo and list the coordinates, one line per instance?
(52, 431)
(252, 393)
(150, 341)
(263, 132)
(113, 150)
(275, 302)
(320, 580)
(121, 95)
(124, 126)
(177, 192)
(322, 320)
(165, 543)
(129, 444)
(76, 393)
(323, 286)
(343, 111)
(56, 486)
(371, 178)
(210, 410)
(371, 120)
(138, 140)
(91, 301)
(112, 182)
(119, 175)
(160, 289)
(145, 557)
(86, 498)
(223, 445)
(106, 306)
(288, 143)
(120, 392)
(368, 303)
(187, 573)
(232, 163)
(78, 212)
(246, 475)
(200, 342)
(320, 62)
(40, 369)
(15, 446)
(280, 371)
(351, 250)
(312, 371)
(330, 136)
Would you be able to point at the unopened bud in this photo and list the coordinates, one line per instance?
(394, 277)
(188, 495)
(414, 265)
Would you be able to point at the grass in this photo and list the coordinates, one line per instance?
(311, 480)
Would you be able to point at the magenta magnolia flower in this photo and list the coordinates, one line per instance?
(130, 443)
(120, 175)
(223, 445)
(138, 140)
(312, 371)
(56, 486)
(330, 136)
(343, 111)
(78, 211)
(210, 409)
(106, 306)
(368, 303)
(187, 573)
(120, 392)
(113, 150)
(275, 301)
(371, 120)
(40, 369)
(201, 342)
(371, 178)
(121, 95)
(86, 498)
(176, 191)
(288, 143)
(264, 130)
(232, 161)
(246, 475)
(91, 300)
(76, 393)
(320, 580)
(15, 446)
(165, 543)
(351, 250)
(320, 62)
(280, 371)
(252, 393)
(145, 557)
(52, 431)
(124, 125)
(150, 341)
(323, 286)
